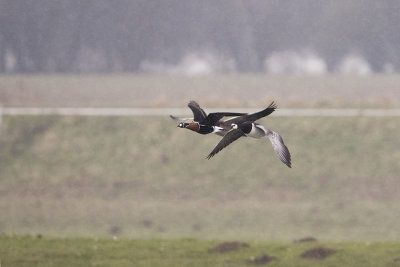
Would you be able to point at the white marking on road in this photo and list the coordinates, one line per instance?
(307, 112)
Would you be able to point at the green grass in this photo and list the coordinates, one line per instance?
(142, 177)
(251, 90)
(30, 251)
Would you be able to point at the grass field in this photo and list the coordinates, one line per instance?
(138, 191)
(20, 251)
(125, 90)
(142, 177)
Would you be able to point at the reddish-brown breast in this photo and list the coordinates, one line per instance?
(194, 126)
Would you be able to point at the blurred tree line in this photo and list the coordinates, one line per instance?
(119, 35)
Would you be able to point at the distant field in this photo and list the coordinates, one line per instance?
(21, 251)
(252, 91)
(142, 177)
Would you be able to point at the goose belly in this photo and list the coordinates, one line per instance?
(256, 132)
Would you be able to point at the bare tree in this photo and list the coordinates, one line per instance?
(118, 35)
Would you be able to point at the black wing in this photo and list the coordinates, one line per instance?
(229, 137)
(253, 116)
(213, 118)
(198, 112)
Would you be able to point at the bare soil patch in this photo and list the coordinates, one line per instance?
(264, 259)
(318, 253)
(305, 240)
(228, 246)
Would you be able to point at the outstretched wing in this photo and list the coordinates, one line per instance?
(279, 147)
(180, 118)
(253, 116)
(229, 137)
(198, 112)
(213, 118)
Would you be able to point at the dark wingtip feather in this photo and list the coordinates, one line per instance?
(287, 157)
(192, 102)
(289, 163)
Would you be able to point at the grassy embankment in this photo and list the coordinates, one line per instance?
(142, 177)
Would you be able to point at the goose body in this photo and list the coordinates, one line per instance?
(258, 131)
(213, 123)
(202, 129)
